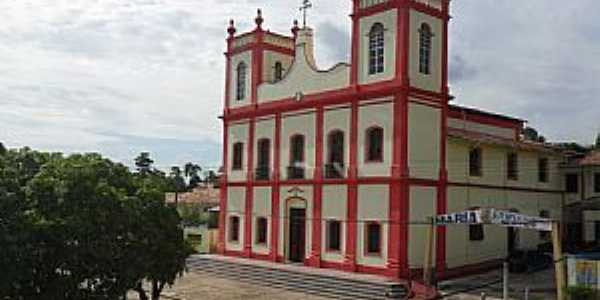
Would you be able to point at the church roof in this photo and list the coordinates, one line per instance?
(473, 111)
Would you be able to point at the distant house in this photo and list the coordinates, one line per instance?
(582, 196)
(205, 195)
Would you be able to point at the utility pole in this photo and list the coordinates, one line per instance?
(559, 267)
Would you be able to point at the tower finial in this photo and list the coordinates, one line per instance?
(295, 29)
(259, 19)
(231, 29)
(306, 4)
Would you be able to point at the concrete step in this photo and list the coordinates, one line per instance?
(309, 283)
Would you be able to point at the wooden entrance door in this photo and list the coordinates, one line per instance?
(297, 234)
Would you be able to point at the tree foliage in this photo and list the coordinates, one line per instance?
(83, 227)
(597, 145)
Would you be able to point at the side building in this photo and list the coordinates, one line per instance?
(340, 168)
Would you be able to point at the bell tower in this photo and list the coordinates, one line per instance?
(400, 40)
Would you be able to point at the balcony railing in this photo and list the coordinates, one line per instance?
(295, 172)
(262, 173)
(334, 171)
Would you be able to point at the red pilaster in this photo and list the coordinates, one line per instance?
(442, 201)
(223, 193)
(249, 191)
(275, 190)
(355, 44)
(352, 206)
(315, 255)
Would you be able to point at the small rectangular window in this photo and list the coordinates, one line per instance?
(476, 232)
(373, 239)
(334, 229)
(475, 162)
(234, 229)
(261, 230)
(543, 170)
(597, 183)
(572, 183)
(512, 166)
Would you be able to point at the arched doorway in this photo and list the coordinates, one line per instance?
(296, 230)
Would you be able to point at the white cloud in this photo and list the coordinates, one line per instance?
(83, 75)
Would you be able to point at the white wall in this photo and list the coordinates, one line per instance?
(245, 57)
(261, 208)
(299, 124)
(423, 205)
(237, 133)
(334, 207)
(236, 206)
(373, 205)
(389, 20)
(432, 81)
(381, 115)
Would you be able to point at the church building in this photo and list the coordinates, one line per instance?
(342, 167)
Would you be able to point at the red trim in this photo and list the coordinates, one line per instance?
(376, 9)
(223, 194)
(355, 45)
(352, 205)
(442, 193)
(462, 113)
(315, 256)
(261, 46)
(249, 191)
(275, 191)
(428, 9)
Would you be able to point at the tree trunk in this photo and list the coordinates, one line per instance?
(156, 290)
(140, 290)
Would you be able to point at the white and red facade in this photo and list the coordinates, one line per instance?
(420, 170)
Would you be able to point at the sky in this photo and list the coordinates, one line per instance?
(124, 76)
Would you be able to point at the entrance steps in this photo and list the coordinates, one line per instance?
(319, 282)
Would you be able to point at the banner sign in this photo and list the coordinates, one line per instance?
(496, 217)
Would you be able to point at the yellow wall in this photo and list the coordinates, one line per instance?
(424, 141)
(269, 60)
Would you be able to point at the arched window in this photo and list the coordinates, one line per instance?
(374, 144)
(296, 168)
(335, 157)
(238, 156)
(263, 159)
(376, 49)
(425, 49)
(278, 71)
(241, 81)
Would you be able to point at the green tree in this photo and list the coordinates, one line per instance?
(83, 227)
(3, 149)
(143, 163)
(192, 173)
(597, 145)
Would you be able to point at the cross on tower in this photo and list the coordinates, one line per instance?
(304, 9)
